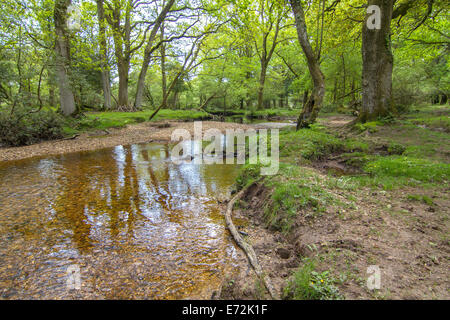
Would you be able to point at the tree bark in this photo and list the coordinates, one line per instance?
(262, 81)
(122, 47)
(163, 63)
(377, 65)
(106, 83)
(312, 107)
(147, 54)
(62, 49)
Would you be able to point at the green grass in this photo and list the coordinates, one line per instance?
(406, 167)
(105, 120)
(311, 144)
(293, 191)
(273, 112)
(308, 284)
(440, 122)
(421, 198)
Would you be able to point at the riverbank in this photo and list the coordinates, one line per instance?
(346, 203)
(160, 131)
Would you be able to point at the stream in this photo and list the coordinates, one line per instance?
(134, 224)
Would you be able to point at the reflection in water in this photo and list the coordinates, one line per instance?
(138, 225)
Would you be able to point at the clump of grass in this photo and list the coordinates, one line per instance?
(442, 122)
(352, 145)
(422, 198)
(247, 175)
(417, 169)
(308, 284)
(288, 198)
(356, 159)
(311, 144)
(371, 127)
(395, 148)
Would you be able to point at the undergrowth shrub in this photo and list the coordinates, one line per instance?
(308, 284)
(22, 128)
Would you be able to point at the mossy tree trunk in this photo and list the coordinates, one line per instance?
(377, 65)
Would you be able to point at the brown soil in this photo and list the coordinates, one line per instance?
(137, 133)
(407, 239)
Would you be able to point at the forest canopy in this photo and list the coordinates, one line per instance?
(69, 57)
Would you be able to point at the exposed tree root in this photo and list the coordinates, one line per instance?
(248, 249)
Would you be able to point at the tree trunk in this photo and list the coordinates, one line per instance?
(51, 95)
(377, 65)
(62, 49)
(121, 36)
(123, 68)
(163, 63)
(147, 54)
(106, 83)
(262, 80)
(344, 76)
(312, 107)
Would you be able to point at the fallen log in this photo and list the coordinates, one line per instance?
(248, 249)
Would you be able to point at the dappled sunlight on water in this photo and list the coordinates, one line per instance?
(138, 225)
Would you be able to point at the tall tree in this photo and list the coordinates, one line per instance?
(313, 104)
(119, 15)
(149, 49)
(62, 49)
(269, 22)
(378, 62)
(105, 74)
(163, 63)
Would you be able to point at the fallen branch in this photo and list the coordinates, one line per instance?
(248, 249)
(72, 137)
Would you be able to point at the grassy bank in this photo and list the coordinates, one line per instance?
(379, 184)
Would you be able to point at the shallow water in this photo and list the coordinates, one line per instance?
(137, 225)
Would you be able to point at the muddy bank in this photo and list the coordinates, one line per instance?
(132, 134)
(403, 238)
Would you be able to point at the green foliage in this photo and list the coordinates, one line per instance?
(311, 144)
(368, 126)
(439, 123)
(294, 192)
(356, 159)
(308, 284)
(395, 148)
(417, 169)
(24, 128)
(422, 198)
(247, 175)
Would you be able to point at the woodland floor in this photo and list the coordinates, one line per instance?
(402, 229)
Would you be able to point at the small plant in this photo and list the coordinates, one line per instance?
(425, 199)
(311, 144)
(308, 284)
(368, 126)
(395, 148)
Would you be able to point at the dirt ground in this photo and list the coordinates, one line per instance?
(132, 134)
(407, 239)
